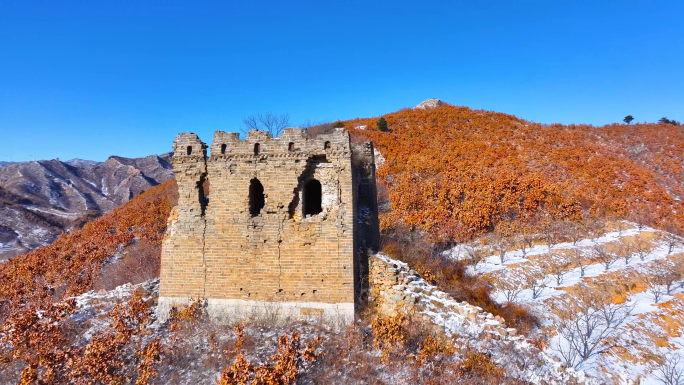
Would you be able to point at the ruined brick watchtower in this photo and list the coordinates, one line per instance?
(285, 228)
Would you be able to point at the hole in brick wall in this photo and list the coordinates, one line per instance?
(189, 149)
(315, 290)
(202, 195)
(303, 294)
(312, 197)
(280, 290)
(257, 147)
(256, 197)
(290, 147)
(223, 149)
(293, 205)
(326, 145)
(240, 289)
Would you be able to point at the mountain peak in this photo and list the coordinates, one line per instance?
(429, 103)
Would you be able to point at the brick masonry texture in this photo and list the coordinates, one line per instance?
(226, 248)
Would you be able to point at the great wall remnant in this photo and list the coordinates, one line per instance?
(285, 230)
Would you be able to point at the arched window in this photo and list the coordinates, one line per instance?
(189, 150)
(326, 145)
(312, 197)
(290, 147)
(256, 148)
(223, 149)
(256, 197)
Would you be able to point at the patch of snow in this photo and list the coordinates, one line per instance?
(379, 159)
(645, 317)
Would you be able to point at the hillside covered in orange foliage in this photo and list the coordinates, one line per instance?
(73, 263)
(453, 172)
(456, 172)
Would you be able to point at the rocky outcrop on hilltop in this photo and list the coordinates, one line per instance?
(41, 199)
(429, 103)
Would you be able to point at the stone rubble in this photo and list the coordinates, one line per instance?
(395, 287)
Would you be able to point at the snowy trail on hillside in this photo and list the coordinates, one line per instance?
(493, 263)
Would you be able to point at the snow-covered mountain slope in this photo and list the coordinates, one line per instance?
(39, 200)
(612, 305)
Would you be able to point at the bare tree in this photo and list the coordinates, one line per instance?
(641, 215)
(558, 269)
(526, 239)
(655, 289)
(473, 255)
(623, 250)
(501, 244)
(605, 258)
(588, 323)
(679, 270)
(671, 372)
(641, 246)
(523, 244)
(672, 241)
(511, 288)
(664, 273)
(573, 230)
(577, 258)
(549, 232)
(621, 226)
(537, 283)
(269, 122)
(594, 226)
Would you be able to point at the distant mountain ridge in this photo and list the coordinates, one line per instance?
(41, 199)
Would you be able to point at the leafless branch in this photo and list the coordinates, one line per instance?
(588, 323)
(537, 283)
(577, 258)
(605, 258)
(624, 250)
(641, 246)
(269, 122)
(671, 371)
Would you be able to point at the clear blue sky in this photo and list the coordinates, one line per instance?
(81, 80)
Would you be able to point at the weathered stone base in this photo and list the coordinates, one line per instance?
(225, 311)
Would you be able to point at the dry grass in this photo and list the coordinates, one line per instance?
(140, 262)
(425, 257)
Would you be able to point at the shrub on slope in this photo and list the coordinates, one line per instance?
(457, 172)
(72, 264)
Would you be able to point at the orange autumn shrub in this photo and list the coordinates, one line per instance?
(457, 172)
(74, 261)
(481, 367)
(281, 369)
